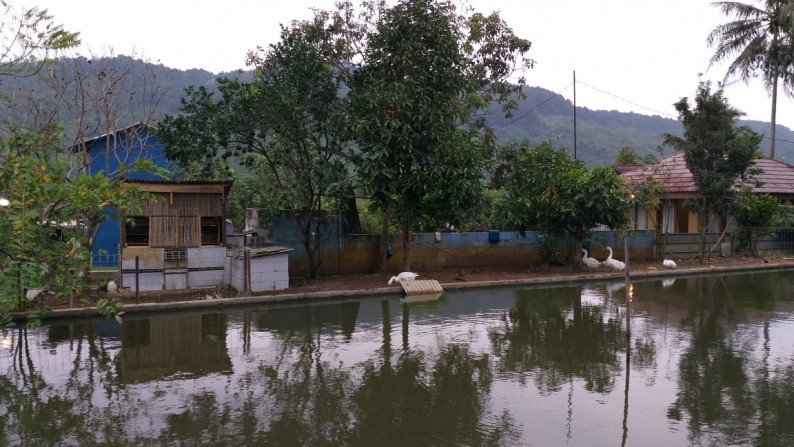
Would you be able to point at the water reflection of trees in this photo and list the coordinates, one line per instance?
(412, 397)
(300, 396)
(729, 393)
(548, 334)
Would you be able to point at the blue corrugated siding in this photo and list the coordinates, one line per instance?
(143, 146)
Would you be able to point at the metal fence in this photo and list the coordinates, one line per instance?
(763, 241)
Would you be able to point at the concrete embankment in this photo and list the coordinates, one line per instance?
(221, 303)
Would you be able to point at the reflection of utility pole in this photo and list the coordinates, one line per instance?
(626, 397)
(569, 423)
(629, 298)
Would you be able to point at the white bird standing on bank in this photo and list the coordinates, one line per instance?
(404, 276)
(112, 286)
(669, 263)
(614, 264)
(589, 262)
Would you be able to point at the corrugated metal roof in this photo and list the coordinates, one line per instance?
(776, 176)
(132, 128)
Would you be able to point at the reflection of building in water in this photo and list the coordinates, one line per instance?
(289, 318)
(187, 344)
(58, 333)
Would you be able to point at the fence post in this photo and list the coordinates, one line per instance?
(137, 282)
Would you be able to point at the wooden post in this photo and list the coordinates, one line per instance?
(248, 272)
(137, 282)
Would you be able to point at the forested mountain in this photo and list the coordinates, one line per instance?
(151, 91)
(600, 134)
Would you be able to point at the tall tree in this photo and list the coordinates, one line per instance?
(286, 121)
(627, 156)
(425, 73)
(41, 246)
(762, 39)
(717, 152)
(546, 190)
(30, 40)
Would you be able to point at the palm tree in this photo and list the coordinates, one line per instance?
(763, 41)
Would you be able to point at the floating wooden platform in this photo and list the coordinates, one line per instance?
(421, 287)
(421, 298)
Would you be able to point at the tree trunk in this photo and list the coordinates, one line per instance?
(406, 244)
(383, 245)
(577, 246)
(350, 214)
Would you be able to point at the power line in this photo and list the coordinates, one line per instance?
(625, 100)
(536, 106)
(777, 140)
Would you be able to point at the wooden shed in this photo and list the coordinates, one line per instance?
(176, 241)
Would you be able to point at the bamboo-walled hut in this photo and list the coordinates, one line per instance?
(177, 240)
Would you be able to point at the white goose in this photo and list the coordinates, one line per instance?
(669, 263)
(614, 264)
(589, 262)
(404, 276)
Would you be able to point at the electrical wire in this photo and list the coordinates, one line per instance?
(537, 106)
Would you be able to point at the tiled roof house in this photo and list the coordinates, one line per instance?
(776, 177)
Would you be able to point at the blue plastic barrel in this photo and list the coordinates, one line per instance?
(493, 236)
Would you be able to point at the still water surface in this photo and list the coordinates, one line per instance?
(708, 361)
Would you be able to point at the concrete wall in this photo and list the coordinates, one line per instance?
(270, 272)
(347, 254)
(205, 267)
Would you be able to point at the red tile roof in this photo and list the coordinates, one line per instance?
(777, 177)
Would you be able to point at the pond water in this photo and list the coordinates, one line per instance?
(707, 361)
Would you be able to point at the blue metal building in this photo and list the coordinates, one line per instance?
(116, 154)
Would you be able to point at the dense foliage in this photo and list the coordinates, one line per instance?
(287, 123)
(41, 244)
(544, 189)
(717, 153)
(408, 102)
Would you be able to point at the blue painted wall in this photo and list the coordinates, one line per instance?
(356, 253)
(130, 147)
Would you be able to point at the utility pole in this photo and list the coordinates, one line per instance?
(574, 114)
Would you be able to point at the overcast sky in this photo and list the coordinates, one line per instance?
(629, 55)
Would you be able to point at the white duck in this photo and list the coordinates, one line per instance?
(614, 264)
(669, 263)
(404, 276)
(112, 286)
(589, 262)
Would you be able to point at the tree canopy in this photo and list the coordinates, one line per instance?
(716, 151)
(287, 124)
(41, 245)
(544, 189)
(424, 73)
(762, 41)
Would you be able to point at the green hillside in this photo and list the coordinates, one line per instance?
(599, 133)
(152, 91)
